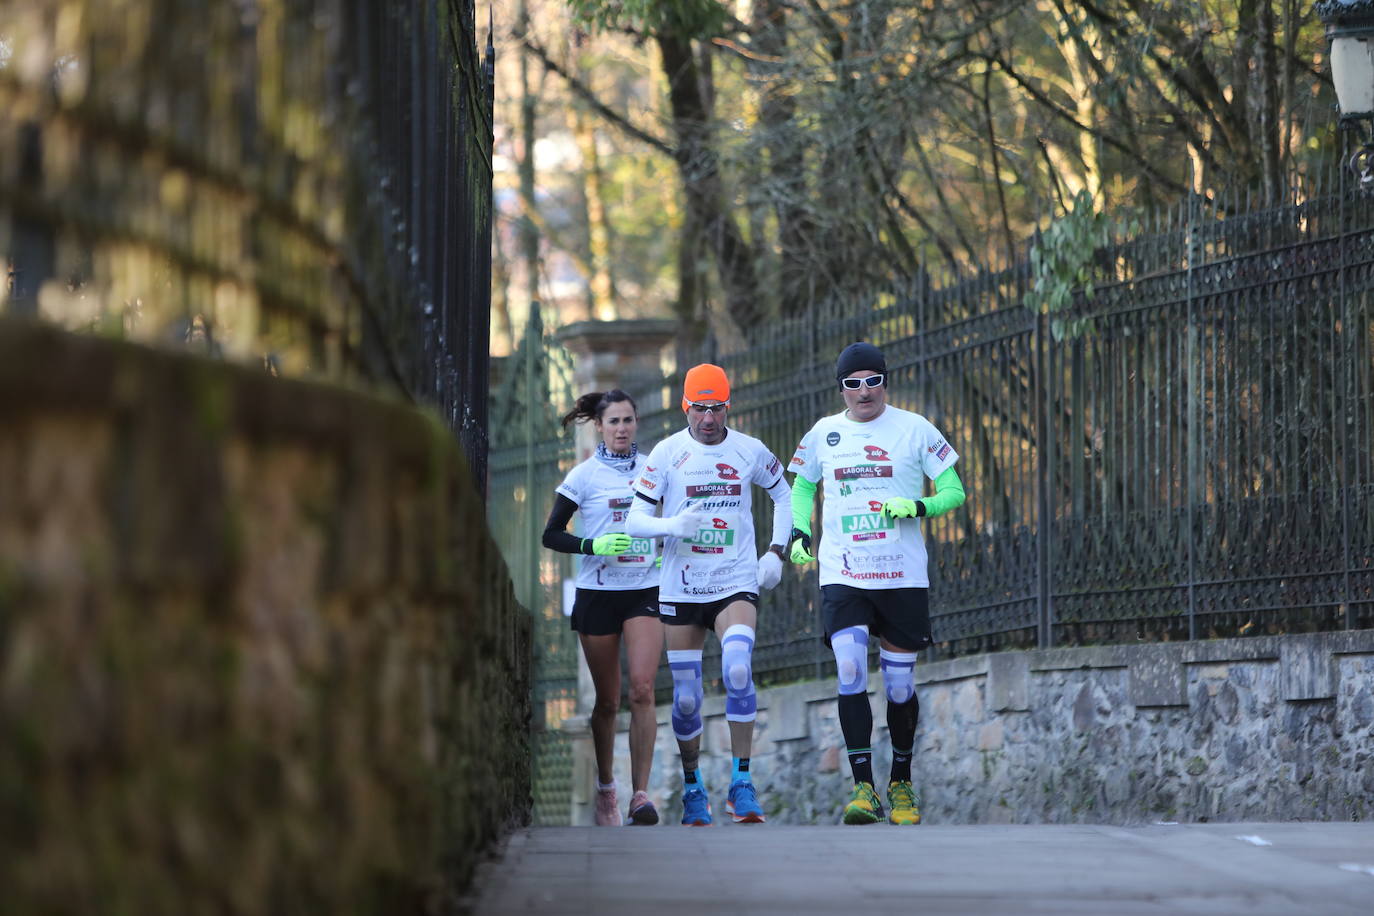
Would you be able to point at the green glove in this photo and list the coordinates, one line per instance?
(901, 507)
(611, 545)
(801, 547)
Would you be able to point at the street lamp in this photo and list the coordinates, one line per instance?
(1350, 30)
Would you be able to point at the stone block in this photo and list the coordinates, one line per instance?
(1156, 677)
(790, 718)
(1008, 688)
(1307, 670)
(990, 736)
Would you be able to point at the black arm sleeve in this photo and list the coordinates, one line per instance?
(556, 536)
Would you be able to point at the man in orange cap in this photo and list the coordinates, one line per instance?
(711, 576)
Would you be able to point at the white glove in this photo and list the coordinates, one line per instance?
(770, 570)
(687, 523)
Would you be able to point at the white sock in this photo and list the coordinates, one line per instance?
(604, 787)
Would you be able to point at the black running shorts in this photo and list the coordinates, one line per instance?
(599, 612)
(687, 614)
(900, 615)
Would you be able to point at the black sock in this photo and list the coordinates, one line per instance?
(901, 726)
(901, 765)
(861, 765)
(689, 774)
(856, 722)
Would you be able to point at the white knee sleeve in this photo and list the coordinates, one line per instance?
(736, 669)
(850, 646)
(687, 692)
(899, 675)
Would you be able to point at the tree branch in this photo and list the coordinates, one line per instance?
(582, 91)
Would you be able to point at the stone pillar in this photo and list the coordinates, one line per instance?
(618, 354)
(607, 354)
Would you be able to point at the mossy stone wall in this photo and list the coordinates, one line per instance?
(258, 653)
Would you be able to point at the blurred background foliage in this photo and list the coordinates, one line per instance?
(729, 162)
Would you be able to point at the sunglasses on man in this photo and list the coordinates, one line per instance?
(854, 384)
(709, 408)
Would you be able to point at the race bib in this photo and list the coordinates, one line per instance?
(869, 527)
(641, 553)
(715, 541)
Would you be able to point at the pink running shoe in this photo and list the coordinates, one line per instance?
(642, 811)
(607, 808)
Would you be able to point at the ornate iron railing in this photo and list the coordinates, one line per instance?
(1193, 458)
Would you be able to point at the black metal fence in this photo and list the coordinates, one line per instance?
(1187, 453)
(303, 185)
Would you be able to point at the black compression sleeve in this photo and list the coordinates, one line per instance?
(556, 536)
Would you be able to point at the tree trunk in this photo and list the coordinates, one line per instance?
(698, 165)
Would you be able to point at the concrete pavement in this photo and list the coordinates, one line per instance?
(1251, 869)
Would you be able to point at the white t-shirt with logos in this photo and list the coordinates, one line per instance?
(603, 496)
(863, 465)
(721, 559)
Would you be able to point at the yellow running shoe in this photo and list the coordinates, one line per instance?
(902, 804)
(864, 807)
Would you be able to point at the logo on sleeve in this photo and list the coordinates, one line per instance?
(727, 472)
(798, 460)
(832, 439)
(940, 449)
(773, 466)
(873, 453)
(647, 484)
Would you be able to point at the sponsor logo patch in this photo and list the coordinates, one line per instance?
(943, 452)
(863, 472)
(898, 574)
(727, 472)
(713, 489)
(667, 610)
(873, 453)
(832, 439)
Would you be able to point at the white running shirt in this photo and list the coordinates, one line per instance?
(862, 466)
(721, 559)
(603, 498)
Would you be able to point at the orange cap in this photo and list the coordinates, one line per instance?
(705, 383)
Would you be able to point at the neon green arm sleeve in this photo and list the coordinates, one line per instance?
(949, 494)
(803, 502)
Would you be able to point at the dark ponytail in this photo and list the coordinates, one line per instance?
(592, 405)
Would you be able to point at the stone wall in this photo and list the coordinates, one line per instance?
(257, 651)
(1266, 728)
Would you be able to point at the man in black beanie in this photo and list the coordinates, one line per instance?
(874, 459)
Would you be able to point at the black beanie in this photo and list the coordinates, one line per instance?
(858, 356)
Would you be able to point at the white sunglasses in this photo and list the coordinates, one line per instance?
(854, 384)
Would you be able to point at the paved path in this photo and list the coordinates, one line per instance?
(1251, 869)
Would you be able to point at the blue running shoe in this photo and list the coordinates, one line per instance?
(743, 803)
(696, 808)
